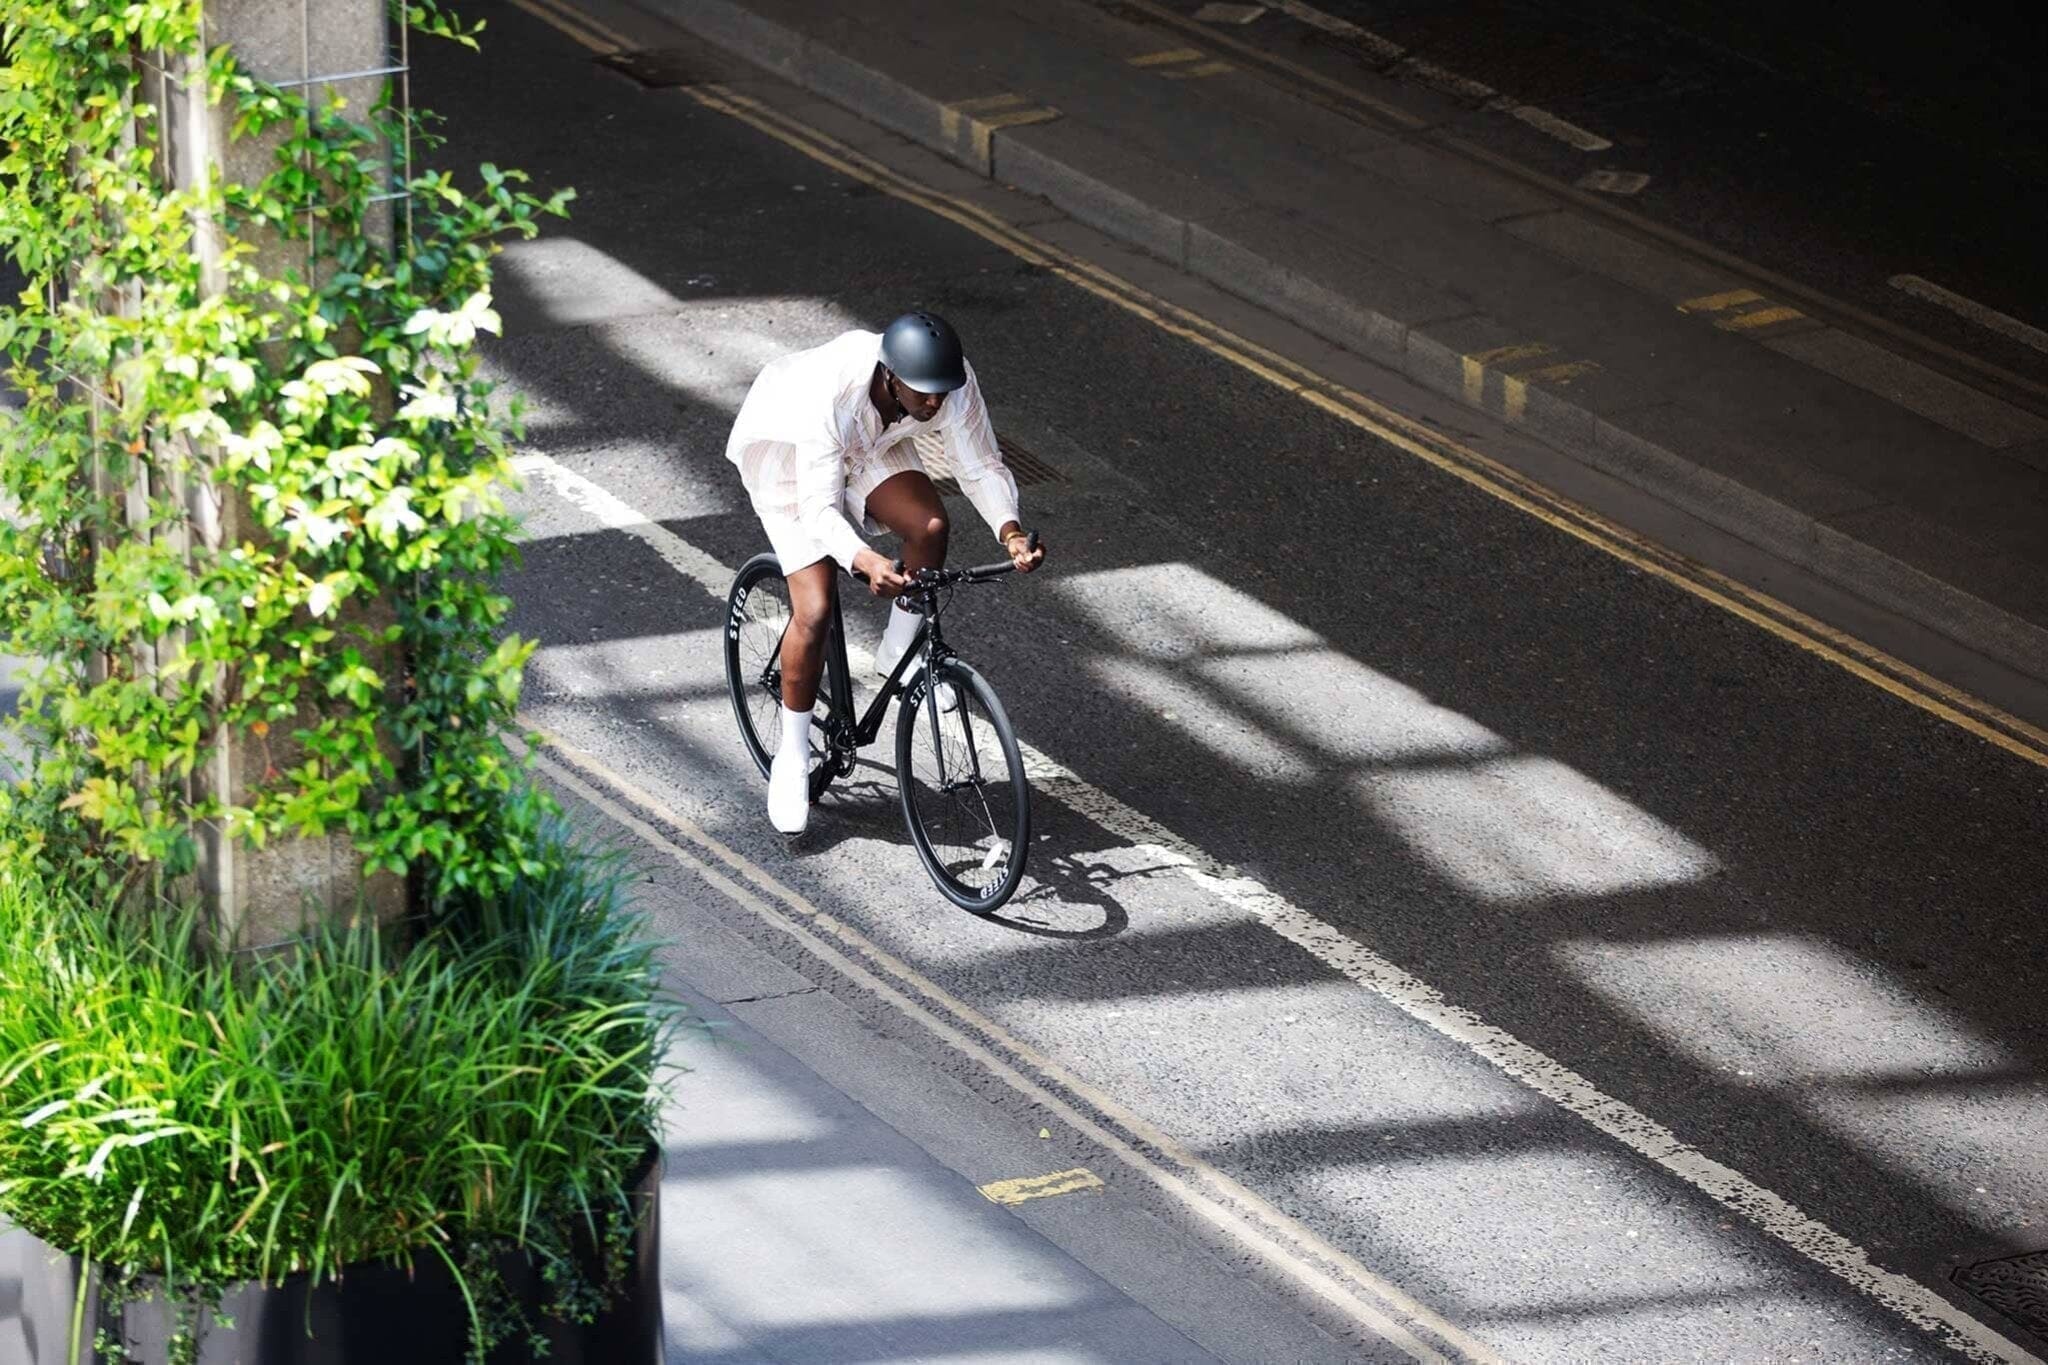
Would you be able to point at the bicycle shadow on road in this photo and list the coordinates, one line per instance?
(1062, 891)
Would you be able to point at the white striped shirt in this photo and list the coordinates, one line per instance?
(808, 433)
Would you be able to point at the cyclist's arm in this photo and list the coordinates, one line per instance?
(977, 460)
(820, 493)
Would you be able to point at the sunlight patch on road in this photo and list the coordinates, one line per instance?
(714, 344)
(1528, 828)
(1621, 1260)
(615, 670)
(1266, 694)
(1845, 1042)
(1181, 708)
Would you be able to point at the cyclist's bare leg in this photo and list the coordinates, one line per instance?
(803, 644)
(909, 505)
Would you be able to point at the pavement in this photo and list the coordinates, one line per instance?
(1372, 211)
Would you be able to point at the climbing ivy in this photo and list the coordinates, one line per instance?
(256, 501)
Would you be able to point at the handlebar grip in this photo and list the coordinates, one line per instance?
(1002, 566)
(856, 573)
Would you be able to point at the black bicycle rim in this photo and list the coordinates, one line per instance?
(964, 794)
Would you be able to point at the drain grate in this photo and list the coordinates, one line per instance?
(1028, 468)
(660, 68)
(2016, 1286)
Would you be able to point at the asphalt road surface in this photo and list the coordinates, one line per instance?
(1783, 918)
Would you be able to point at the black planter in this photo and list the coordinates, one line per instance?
(375, 1313)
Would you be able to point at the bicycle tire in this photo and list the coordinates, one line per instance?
(757, 612)
(974, 839)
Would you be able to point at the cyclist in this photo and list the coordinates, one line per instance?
(825, 447)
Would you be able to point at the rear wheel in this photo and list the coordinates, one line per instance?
(756, 616)
(964, 796)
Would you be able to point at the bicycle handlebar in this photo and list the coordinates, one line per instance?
(938, 578)
(983, 572)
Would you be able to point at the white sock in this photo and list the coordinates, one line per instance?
(901, 628)
(796, 729)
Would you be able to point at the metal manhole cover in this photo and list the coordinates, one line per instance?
(1028, 468)
(2016, 1286)
(660, 68)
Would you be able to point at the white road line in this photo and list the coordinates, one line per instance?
(1446, 80)
(2002, 323)
(1614, 182)
(1547, 122)
(1385, 49)
(1228, 14)
(1204, 1191)
(1336, 950)
(1450, 82)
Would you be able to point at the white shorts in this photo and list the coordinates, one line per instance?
(797, 548)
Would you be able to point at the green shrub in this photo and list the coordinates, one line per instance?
(170, 1112)
(257, 502)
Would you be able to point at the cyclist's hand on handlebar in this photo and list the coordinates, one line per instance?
(1027, 552)
(884, 579)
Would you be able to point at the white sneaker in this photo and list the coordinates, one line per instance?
(789, 789)
(888, 652)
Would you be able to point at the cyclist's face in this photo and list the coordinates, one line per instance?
(921, 407)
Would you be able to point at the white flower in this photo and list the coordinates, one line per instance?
(320, 601)
(346, 462)
(343, 374)
(254, 448)
(201, 422)
(394, 448)
(460, 327)
(320, 532)
(302, 399)
(240, 376)
(393, 514)
(430, 404)
(196, 607)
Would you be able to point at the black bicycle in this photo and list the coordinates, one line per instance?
(958, 770)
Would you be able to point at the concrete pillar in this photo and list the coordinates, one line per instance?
(269, 896)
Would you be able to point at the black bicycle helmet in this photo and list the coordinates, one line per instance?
(923, 351)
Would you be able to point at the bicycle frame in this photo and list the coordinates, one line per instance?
(844, 735)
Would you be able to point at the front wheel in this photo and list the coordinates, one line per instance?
(756, 616)
(965, 800)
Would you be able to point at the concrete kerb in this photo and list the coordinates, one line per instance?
(1238, 269)
(1587, 437)
(1101, 206)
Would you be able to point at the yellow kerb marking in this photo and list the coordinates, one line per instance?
(986, 113)
(1561, 374)
(1478, 363)
(1762, 317)
(1415, 438)
(1041, 1186)
(1514, 397)
(986, 103)
(1193, 72)
(1012, 117)
(1178, 54)
(1508, 355)
(1714, 303)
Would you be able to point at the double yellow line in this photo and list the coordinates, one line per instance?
(586, 29)
(1865, 661)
